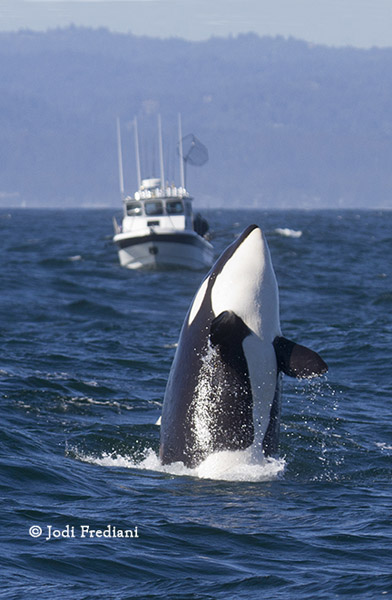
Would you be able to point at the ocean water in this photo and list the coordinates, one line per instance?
(86, 348)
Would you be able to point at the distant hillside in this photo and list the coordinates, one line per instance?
(286, 123)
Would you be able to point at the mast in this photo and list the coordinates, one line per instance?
(161, 153)
(137, 152)
(182, 175)
(120, 159)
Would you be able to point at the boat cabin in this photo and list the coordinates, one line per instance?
(158, 207)
(154, 206)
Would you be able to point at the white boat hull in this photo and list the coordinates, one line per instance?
(184, 249)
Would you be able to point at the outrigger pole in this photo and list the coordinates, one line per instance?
(161, 153)
(137, 152)
(182, 174)
(120, 160)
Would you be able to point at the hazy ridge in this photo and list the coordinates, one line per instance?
(286, 123)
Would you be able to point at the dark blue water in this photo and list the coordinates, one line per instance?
(86, 348)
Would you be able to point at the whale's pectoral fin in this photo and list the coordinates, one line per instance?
(227, 328)
(296, 360)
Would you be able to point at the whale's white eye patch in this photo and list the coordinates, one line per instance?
(198, 301)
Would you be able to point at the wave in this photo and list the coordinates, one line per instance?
(238, 465)
(286, 232)
(90, 307)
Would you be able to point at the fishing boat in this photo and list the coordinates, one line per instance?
(158, 227)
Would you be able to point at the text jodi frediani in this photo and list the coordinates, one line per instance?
(82, 531)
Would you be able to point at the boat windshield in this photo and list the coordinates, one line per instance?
(174, 207)
(134, 209)
(153, 208)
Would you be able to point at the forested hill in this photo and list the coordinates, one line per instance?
(286, 123)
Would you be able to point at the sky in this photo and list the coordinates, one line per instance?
(358, 23)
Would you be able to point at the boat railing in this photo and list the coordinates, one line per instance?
(168, 192)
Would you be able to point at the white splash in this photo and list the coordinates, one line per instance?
(286, 232)
(238, 465)
(206, 389)
(383, 446)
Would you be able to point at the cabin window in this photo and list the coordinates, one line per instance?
(188, 209)
(153, 208)
(174, 207)
(134, 209)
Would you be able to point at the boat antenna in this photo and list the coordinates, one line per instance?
(161, 153)
(182, 174)
(137, 152)
(120, 159)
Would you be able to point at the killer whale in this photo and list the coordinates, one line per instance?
(224, 386)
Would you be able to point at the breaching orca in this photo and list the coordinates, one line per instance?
(223, 391)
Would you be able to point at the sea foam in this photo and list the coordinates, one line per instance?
(239, 465)
(286, 232)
